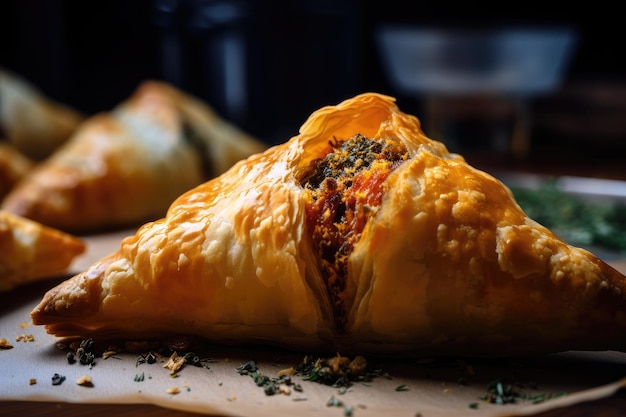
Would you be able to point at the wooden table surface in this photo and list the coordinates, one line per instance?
(612, 407)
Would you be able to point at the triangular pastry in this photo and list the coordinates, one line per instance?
(360, 234)
(220, 142)
(13, 167)
(34, 123)
(125, 167)
(30, 251)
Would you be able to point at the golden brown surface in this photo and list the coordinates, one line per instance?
(449, 263)
(125, 167)
(434, 388)
(32, 122)
(13, 167)
(30, 251)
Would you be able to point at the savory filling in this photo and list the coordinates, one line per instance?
(344, 190)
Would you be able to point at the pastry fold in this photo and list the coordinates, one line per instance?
(32, 122)
(30, 251)
(359, 234)
(125, 167)
(13, 167)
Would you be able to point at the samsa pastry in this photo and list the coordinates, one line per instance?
(125, 167)
(31, 252)
(32, 122)
(13, 167)
(360, 235)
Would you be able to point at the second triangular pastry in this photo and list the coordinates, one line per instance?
(13, 167)
(125, 167)
(360, 234)
(32, 122)
(30, 251)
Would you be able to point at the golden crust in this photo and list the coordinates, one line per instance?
(125, 167)
(35, 124)
(13, 167)
(449, 263)
(31, 252)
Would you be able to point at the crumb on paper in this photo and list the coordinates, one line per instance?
(108, 354)
(24, 325)
(291, 371)
(174, 363)
(25, 338)
(32, 381)
(173, 390)
(84, 381)
(4, 344)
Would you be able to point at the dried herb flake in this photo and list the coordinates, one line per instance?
(270, 385)
(57, 379)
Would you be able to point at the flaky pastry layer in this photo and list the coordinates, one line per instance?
(30, 251)
(448, 263)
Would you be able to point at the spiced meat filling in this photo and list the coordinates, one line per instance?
(343, 191)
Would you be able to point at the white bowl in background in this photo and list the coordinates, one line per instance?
(507, 60)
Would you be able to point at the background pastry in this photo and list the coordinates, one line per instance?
(13, 167)
(360, 234)
(30, 251)
(35, 124)
(220, 142)
(124, 167)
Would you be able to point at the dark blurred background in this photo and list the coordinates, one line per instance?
(267, 64)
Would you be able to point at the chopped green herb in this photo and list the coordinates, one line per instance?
(148, 358)
(402, 387)
(139, 377)
(87, 358)
(338, 371)
(501, 393)
(193, 359)
(85, 353)
(541, 397)
(57, 379)
(246, 368)
(579, 222)
(88, 345)
(270, 385)
(334, 402)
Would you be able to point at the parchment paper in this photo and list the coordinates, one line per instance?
(402, 387)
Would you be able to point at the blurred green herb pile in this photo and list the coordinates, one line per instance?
(579, 222)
